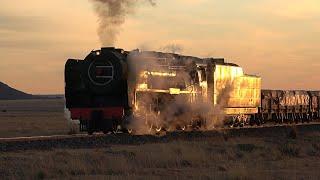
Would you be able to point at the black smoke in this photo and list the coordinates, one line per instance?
(112, 14)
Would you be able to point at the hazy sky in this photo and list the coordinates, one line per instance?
(278, 40)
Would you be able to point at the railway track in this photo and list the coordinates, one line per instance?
(101, 140)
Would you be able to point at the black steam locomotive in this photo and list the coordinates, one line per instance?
(96, 90)
(111, 87)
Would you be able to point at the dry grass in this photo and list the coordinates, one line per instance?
(237, 158)
(284, 157)
(32, 117)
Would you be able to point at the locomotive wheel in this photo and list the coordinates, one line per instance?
(170, 128)
(154, 128)
(258, 122)
(90, 132)
(129, 131)
(251, 122)
(183, 128)
(90, 128)
(233, 124)
(116, 129)
(158, 129)
(296, 119)
(150, 128)
(308, 118)
(107, 126)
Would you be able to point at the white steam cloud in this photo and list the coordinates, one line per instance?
(72, 124)
(176, 111)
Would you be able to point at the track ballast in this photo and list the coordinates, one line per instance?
(101, 140)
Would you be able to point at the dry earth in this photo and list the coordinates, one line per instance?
(212, 158)
(32, 117)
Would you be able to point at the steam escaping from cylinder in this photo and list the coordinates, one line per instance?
(215, 116)
(112, 14)
(72, 125)
(175, 110)
(67, 114)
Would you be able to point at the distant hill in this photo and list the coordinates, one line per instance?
(9, 93)
(50, 96)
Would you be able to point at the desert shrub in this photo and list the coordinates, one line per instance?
(40, 175)
(289, 149)
(239, 173)
(77, 172)
(127, 154)
(246, 147)
(316, 147)
(222, 168)
(239, 155)
(185, 163)
(293, 133)
(113, 172)
(177, 151)
(225, 136)
(314, 150)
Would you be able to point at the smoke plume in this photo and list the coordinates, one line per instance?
(112, 14)
(172, 48)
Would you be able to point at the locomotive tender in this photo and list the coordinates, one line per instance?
(111, 89)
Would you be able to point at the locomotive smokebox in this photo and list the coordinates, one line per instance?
(102, 72)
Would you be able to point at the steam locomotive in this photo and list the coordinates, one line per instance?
(112, 89)
(96, 90)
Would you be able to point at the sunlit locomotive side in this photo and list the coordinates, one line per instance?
(163, 88)
(241, 93)
(172, 92)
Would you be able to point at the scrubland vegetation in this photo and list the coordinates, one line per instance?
(226, 158)
(291, 156)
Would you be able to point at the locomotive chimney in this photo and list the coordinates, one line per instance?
(106, 49)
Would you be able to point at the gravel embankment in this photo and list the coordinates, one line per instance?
(98, 141)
